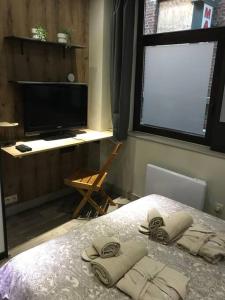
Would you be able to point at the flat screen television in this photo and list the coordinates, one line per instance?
(50, 107)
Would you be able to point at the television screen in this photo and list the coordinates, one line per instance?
(52, 107)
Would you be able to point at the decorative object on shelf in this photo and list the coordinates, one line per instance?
(64, 36)
(39, 33)
(7, 133)
(71, 77)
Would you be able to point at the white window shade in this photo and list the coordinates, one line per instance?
(176, 86)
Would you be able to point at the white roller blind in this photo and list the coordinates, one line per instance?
(176, 86)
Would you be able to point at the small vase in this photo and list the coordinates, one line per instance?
(62, 38)
(34, 34)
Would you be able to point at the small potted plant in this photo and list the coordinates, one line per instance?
(39, 33)
(64, 36)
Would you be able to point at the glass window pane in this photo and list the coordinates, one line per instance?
(177, 84)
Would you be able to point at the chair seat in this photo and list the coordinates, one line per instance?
(84, 182)
(84, 179)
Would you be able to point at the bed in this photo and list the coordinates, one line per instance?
(54, 270)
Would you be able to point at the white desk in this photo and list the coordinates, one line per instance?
(43, 145)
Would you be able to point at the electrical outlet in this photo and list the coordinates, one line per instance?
(219, 207)
(11, 199)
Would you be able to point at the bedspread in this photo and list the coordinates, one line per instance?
(54, 269)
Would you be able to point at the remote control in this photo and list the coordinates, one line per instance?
(23, 148)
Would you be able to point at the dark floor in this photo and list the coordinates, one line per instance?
(34, 222)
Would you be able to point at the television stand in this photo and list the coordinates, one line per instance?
(59, 135)
(39, 145)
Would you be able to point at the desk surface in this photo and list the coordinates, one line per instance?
(43, 145)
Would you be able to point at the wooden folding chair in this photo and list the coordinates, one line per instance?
(86, 182)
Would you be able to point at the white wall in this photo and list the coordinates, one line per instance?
(99, 108)
(186, 158)
(96, 14)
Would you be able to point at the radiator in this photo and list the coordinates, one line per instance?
(184, 189)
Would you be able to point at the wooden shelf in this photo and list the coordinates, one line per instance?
(31, 40)
(23, 40)
(8, 124)
(44, 145)
(47, 82)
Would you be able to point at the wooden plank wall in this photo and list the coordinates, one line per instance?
(40, 174)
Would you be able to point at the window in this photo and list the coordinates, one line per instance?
(176, 84)
(179, 78)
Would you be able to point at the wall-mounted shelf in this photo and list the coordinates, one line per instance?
(41, 145)
(47, 82)
(23, 40)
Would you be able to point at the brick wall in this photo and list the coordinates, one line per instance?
(151, 15)
(219, 14)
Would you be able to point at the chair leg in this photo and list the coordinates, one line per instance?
(87, 198)
(96, 206)
(80, 206)
(108, 198)
(105, 206)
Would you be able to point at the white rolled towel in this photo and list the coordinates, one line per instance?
(154, 219)
(174, 226)
(153, 222)
(110, 270)
(105, 246)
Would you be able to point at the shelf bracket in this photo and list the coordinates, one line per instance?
(64, 52)
(21, 48)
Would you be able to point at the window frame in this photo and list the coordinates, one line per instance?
(178, 37)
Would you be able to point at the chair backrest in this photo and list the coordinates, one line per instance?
(108, 162)
(111, 157)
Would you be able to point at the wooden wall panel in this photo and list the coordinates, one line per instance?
(40, 174)
(36, 175)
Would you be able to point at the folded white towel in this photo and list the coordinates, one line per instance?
(149, 279)
(201, 241)
(214, 250)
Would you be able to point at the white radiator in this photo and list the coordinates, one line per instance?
(187, 190)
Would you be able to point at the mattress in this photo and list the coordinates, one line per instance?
(54, 270)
